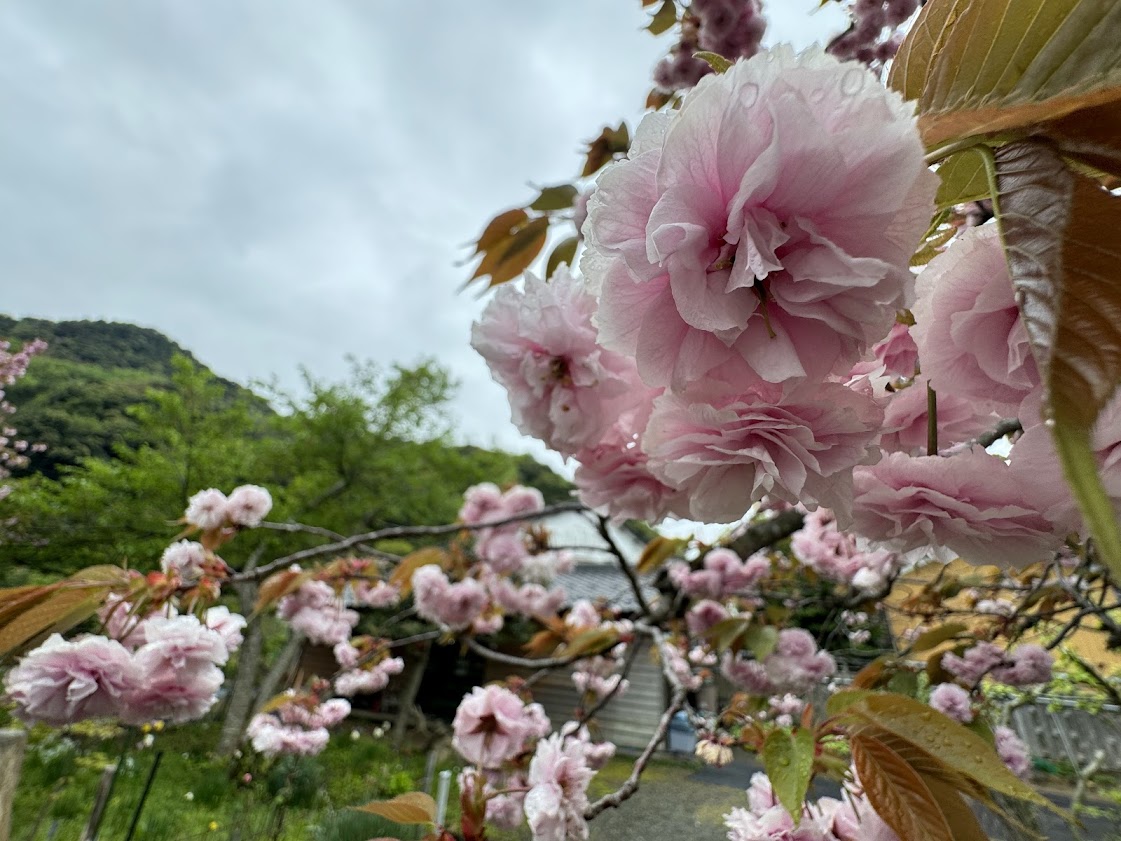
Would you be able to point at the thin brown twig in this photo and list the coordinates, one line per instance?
(400, 532)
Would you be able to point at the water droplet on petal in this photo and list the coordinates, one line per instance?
(853, 81)
(749, 94)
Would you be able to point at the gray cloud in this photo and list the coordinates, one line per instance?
(276, 184)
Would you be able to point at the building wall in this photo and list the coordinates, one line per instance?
(628, 721)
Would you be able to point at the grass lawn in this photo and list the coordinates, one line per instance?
(195, 796)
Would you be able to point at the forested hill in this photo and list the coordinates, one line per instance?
(75, 398)
(134, 425)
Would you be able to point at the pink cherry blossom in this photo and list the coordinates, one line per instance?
(452, 606)
(974, 663)
(898, 353)
(527, 599)
(376, 593)
(502, 550)
(968, 505)
(270, 737)
(960, 419)
(614, 479)
(227, 625)
(558, 777)
(582, 614)
(953, 701)
(368, 680)
(763, 231)
(520, 499)
(481, 503)
(1012, 750)
(839, 556)
(798, 447)
(317, 611)
(184, 559)
(177, 671)
(207, 509)
(541, 346)
(1030, 664)
(492, 725)
(971, 340)
(704, 615)
(64, 681)
(248, 505)
(794, 666)
(1035, 462)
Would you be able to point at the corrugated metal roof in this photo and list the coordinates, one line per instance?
(594, 581)
(579, 530)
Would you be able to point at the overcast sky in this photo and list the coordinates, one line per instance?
(275, 184)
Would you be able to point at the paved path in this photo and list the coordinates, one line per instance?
(680, 802)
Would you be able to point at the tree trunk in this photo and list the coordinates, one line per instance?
(282, 668)
(408, 694)
(12, 744)
(244, 686)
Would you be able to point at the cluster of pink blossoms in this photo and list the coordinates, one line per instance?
(722, 575)
(838, 556)
(731, 28)
(827, 819)
(795, 665)
(167, 668)
(298, 727)
(365, 670)
(751, 250)
(13, 452)
(511, 571)
(318, 612)
(1025, 665)
(495, 731)
(245, 507)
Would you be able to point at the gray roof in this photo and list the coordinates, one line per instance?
(594, 581)
(579, 530)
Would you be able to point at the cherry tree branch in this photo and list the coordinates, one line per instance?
(400, 532)
(768, 532)
(523, 662)
(630, 785)
(628, 661)
(628, 570)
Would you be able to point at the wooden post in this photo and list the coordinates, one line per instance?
(12, 745)
(408, 695)
(100, 801)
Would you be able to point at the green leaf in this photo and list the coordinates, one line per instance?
(760, 640)
(725, 633)
(788, 758)
(897, 792)
(415, 807)
(555, 198)
(963, 180)
(591, 641)
(989, 66)
(1064, 256)
(714, 60)
(664, 19)
(565, 252)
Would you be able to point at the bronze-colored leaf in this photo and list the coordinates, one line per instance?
(936, 636)
(602, 150)
(565, 252)
(657, 552)
(664, 19)
(935, 734)
(402, 576)
(515, 255)
(963, 824)
(898, 794)
(591, 641)
(278, 585)
(1064, 255)
(714, 60)
(59, 612)
(415, 807)
(989, 66)
(555, 198)
(727, 632)
(501, 227)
